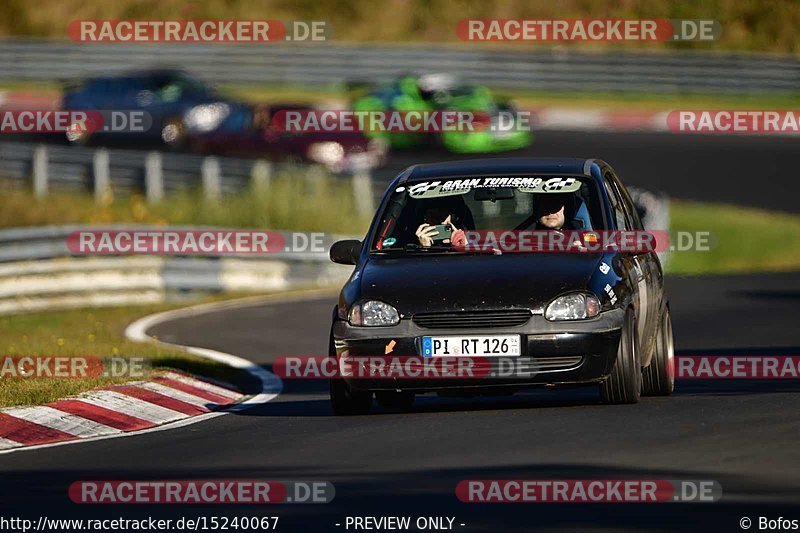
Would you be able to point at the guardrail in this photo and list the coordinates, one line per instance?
(99, 170)
(534, 68)
(38, 271)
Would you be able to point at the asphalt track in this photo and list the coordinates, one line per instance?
(753, 170)
(743, 434)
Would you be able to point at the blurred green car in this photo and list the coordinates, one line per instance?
(439, 92)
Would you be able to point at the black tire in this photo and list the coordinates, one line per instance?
(347, 402)
(401, 401)
(624, 384)
(344, 400)
(658, 379)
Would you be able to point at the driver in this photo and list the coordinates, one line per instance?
(550, 212)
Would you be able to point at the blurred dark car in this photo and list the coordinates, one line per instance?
(188, 114)
(248, 130)
(165, 94)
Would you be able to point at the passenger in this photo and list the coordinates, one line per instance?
(446, 211)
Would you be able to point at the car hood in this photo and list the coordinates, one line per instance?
(451, 282)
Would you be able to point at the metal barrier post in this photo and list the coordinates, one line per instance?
(210, 172)
(101, 173)
(362, 193)
(260, 175)
(40, 171)
(153, 178)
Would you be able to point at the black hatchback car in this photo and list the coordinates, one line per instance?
(450, 268)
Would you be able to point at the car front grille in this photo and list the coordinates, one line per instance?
(473, 319)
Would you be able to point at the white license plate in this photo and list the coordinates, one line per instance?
(478, 346)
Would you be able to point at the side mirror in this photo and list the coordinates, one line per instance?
(345, 252)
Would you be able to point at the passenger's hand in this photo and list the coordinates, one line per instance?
(458, 239)
(425, 234)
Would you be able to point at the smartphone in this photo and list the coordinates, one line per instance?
(444, 232)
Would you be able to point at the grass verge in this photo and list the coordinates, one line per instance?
(631, 101)
(318, 204)
(741, 239)
(98, 333)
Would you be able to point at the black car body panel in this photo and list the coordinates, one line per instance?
(445, 278)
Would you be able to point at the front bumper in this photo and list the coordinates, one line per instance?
(552, 353)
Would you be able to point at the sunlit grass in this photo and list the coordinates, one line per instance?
(741, 239)
(319, 203)
(88, 332)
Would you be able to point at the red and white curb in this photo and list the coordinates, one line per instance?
(129, 409)
(597, 119)
(168, 397)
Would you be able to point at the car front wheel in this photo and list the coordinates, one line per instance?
(401, 401)
(658, 379)
(624, 384)
(344, 400)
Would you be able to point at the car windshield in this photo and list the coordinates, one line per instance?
(425, 216)
(172, 86)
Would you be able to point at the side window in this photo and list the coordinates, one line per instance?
(617, 207)
(630, 208)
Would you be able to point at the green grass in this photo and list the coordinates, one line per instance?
(579, 98)
(530, 98)
(290, 202)
(742, 239)
(635, 101)
(89, 332)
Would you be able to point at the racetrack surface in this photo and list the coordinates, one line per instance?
(752, 170)
(743, 434)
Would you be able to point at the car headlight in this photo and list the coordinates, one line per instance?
(373, 313)
(573, 307)
(328, 153)
(206, 117)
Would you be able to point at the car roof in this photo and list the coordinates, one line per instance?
(137, 74)
(498, 166)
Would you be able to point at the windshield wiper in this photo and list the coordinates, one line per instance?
(412, 247)
(438, 248)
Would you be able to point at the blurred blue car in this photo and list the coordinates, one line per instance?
(168, 96)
